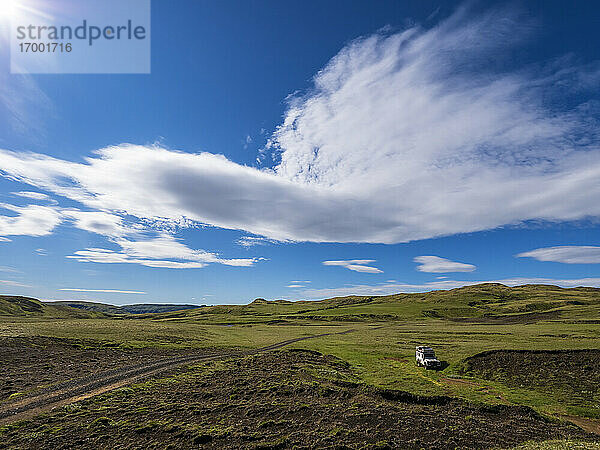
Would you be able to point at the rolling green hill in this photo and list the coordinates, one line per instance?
(482, 303)
(17, 306)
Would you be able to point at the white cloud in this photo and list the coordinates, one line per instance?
(395, 288)
(202, 187)
(161, 250)
(569, 254)
(435, 264)
(100, 222)
(164, 251)
(104, 256)
(248, 140)
(167, 246)
(295, 284)
(139, 243)
(357, 265)
(406, 136)
(109, 291)
(31, 220)
(32, 195)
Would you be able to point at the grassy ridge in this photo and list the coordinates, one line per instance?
(17, 306)
(486, 303)
(12, 305)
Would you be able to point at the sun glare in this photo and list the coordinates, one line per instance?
(8, 8)
(16, 10)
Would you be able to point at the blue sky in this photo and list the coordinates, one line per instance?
(309, 149)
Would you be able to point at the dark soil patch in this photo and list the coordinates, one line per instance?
(29, 364)
(366, 317)
(572, 375)
(278, 399)
(509, 319)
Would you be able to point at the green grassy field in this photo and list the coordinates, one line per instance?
(459, 324)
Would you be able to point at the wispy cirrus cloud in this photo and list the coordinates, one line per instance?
(32, 195)
(296, 284)
(106, 291)
(568, 254)
(250, 241)
(12, 283)
(403, 136)
(357, 265)
(436, 264)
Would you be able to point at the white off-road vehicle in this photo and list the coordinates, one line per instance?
(426, 357)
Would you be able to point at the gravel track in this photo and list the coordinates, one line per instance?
(85, 387)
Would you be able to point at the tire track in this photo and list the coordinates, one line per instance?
(95, 384)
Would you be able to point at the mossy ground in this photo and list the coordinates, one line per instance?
(276, 400)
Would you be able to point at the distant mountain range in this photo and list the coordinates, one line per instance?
(14, 305)
(140, 308)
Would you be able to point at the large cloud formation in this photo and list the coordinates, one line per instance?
(403, 136)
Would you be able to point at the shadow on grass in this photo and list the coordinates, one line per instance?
(442, 366)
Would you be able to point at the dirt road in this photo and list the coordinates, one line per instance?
(88, 386)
